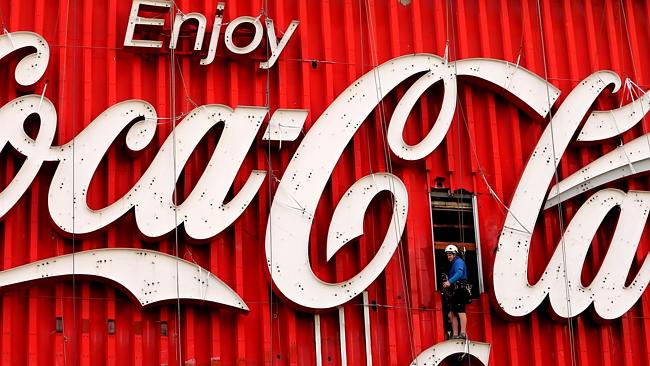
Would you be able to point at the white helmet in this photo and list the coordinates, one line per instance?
(451, 249)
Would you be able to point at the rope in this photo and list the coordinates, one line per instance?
(364, 10)
(188, 98)
(557, 180)
(626, 86)
(74, 122)
(271, 176)
(172, 104)
(627, 33)
(370, 43)
(361, 30)
(188, 255)
(384, 129)
(459, 199)
(481, 171)
(73, 119)
(635, 90)
(461, 218)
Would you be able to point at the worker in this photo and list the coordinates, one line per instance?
(457, 282)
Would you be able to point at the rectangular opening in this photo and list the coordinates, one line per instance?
(454, 221)
(111, 326)
(58, 327)
(163, 329)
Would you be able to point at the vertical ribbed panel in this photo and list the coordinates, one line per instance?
(336, 42)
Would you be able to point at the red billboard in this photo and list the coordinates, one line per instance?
(277, 183)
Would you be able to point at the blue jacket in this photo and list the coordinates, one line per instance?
(458, 270)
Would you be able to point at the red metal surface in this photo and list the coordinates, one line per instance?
(336, 42)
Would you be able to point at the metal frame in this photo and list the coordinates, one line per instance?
(477, 234)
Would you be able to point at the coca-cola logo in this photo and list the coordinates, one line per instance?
(205, 213)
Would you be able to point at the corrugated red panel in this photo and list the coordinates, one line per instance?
(336, 42)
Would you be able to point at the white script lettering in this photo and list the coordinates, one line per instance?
(180, 18)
